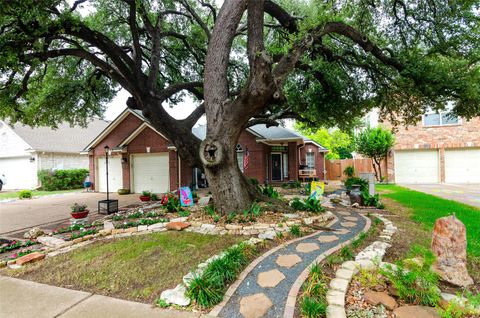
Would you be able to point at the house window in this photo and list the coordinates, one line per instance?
(440, 119)
(310, 160)
(239, 150)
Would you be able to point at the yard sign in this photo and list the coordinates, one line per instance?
(186, 197)
(316, 189)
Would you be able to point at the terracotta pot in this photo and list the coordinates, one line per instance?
(144, 198)
(79, 215)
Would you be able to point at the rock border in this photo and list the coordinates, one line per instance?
(366, 259)
(297, 285)
(231, 290)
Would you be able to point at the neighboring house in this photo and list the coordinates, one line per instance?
(438, 149)
(25, 150)
(141, 158)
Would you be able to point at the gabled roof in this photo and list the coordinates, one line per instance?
(64, 139)
(264, 134)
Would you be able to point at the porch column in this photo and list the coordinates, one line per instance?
(292, 161)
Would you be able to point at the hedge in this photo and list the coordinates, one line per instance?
(62, 179)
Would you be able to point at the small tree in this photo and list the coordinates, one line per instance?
(375, 143)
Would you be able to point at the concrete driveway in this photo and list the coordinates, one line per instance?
(24, 214)
(465, 193)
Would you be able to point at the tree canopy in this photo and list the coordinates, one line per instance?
(252, 61)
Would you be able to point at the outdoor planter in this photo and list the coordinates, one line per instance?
(80, 215)
(144, 198)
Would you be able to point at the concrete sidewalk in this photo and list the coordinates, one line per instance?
(21, 298)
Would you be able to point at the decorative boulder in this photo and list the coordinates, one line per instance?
(33, 233)
(449, 244)
(177, 226)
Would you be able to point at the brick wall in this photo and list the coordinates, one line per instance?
(466, 134)
(319, 159)
(256, 166)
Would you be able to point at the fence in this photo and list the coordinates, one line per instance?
(335, 167)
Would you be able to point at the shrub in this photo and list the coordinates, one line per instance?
(207, 289)
(346, 253)
(254, 181)
(231, 217)
(173, 204)
(370, 200)
(62, 179)
(418, 284)
(25, 194)
(210, 210)
(270, 192)
(349, 172)
(313, 302)
(184, 213)
(295, 230)
(154, 197)
(349, 182)
(310, 204)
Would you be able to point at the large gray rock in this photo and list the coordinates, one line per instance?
(449, 244)
(269, 235)
(50, 241)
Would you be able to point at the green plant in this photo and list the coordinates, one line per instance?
(216, 218)
(173, 204)
(231, 217)
(333, 259)
(184, 213)
(154, 197)
(25, 194)
(295, 230)
(418, 284)
(254, 181)
(346, 253)
(162, 303)
(349, 182)
(255, 209)
(146, 193)
(194, 194)
(369, 278)
(375, 143)
(208, 288)
(370, 200)
(78, 207)
(312, 308)
(62, 179)
(313, 205)
(313, 302)
(349, 172)
(297, 204)
(279, 235)
(270, 192)
(135, 215)
(210, 210)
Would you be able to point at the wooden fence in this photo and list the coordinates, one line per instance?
(335, 167)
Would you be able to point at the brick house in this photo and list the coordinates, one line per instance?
(141, 158)
(438, 149)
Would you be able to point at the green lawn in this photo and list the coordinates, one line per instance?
(427, 208)
(136, 268)
(14, 194)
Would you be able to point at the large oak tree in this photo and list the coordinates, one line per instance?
(249, 62)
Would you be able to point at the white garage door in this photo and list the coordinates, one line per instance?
(462, 166)
(115, 181)
(418, 166)
(19, 172)
(150, 173)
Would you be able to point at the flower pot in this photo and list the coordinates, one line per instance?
(355, 194)
(144, 198)
(79, 215)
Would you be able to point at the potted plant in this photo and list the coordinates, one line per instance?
(79, 211)
(154, 197)
(145, 196)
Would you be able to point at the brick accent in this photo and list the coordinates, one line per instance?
(256, 167)
(464, 135)
(292, 161)
(173, 169)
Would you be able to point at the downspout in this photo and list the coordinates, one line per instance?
(179, 170)
(324, 168)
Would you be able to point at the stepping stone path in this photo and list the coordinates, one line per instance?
(264, 291)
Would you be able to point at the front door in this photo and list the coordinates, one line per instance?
(276, 167)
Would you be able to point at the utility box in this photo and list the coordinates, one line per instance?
(370, 177)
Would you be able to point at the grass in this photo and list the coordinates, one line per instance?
(426, 209)
(14, 194)
(136, 268)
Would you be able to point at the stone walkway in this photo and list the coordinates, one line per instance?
(264, 292)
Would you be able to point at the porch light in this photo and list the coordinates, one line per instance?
(148, 149)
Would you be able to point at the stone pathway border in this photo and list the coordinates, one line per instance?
(231, 290)
(295, 290)
(365, 260)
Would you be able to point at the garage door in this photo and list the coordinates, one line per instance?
(19, 172)
(114, 174)
(462, 166)
(417, 166)
(150, 172)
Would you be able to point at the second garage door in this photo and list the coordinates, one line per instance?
(418, 166)
(150, 172)
(115, 181)
(462, 166)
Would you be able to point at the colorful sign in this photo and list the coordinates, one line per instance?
(186, 197)
(316, 189)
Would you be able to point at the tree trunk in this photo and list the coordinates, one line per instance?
(375, 169)
(379, 178)
(231, 190)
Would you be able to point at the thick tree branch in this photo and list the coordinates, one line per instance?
(192, 119)
(283, 17)
(137, 50)
(197, 18)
